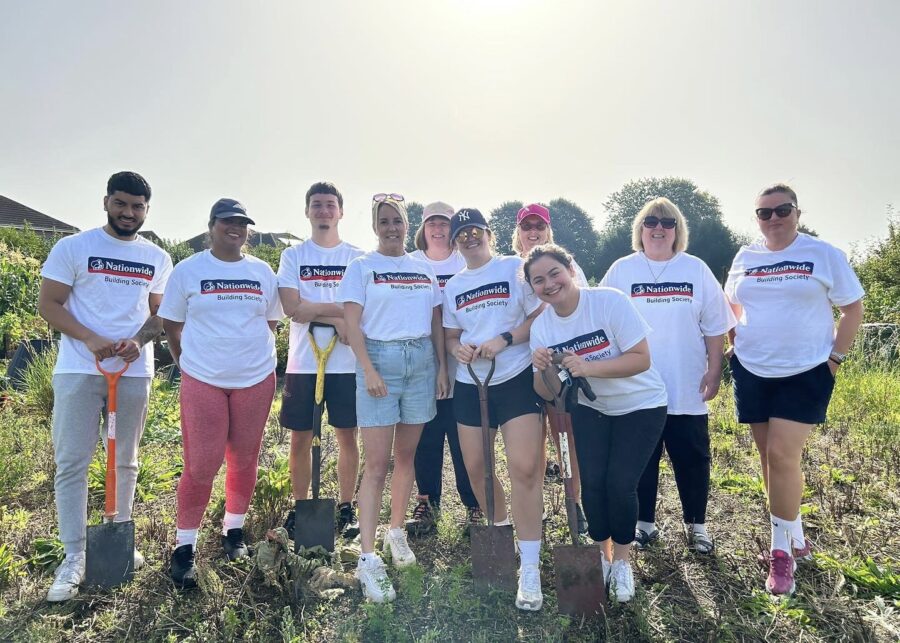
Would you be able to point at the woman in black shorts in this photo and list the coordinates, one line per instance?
(783, 289)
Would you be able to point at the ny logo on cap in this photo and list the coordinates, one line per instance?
(463, 215)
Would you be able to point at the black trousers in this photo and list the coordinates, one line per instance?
(686, 438)
(613, 451)
(429, 462)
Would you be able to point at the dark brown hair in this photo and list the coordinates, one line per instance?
(782, 188)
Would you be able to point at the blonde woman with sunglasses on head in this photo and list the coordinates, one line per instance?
(393, 318)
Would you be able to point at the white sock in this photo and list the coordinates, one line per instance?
(697, 528)
(504, 523)
(781, 533)
(530, 552)
(797, 533)
(646, 527)
(186, 537)
(232, 521)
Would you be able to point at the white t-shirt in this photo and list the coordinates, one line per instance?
(316, 272)
(443, 270)
(485, 302)
(604, 325)
(580, 279)
(111, 283)
(397, 295)
(683, 303)
(787, 324)
(225, 307)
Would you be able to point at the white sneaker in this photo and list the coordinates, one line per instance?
(606, 566)
(138, 560)
(401, 555)
(529, 596)
(69, 575)
(372, 575)
(621, 581)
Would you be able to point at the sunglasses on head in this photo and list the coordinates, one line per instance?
(465, 235)
(652, 222)
(783, 210)
(527, 227)
(381, 197)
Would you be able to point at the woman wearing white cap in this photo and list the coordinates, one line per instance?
(433, 246)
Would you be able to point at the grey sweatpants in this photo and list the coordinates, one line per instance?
(79, 401)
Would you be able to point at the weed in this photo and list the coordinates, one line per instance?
(868, 576)
(411, 584)
(48, 553)
(37, 379)
(10, 565)
(156, 475)
(273, 490)
(739, 483)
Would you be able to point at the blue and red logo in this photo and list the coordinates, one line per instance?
(665, 289)
(442, 280)
(121, 268)
(322, 273)
(230, 286)
(584, 344)
(401, 278)
(781, 268)
(497, 290)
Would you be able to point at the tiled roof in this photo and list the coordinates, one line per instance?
(16, 215)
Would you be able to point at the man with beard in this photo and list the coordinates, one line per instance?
(101, 289)
(308, 277)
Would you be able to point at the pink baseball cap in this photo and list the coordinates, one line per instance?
(535, 209)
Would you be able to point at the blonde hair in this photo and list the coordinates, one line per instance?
(518, 246)
(397, 205)
(661, 208)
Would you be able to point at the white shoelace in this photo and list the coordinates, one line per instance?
(70, 572)
(400, 547)
(531, 579)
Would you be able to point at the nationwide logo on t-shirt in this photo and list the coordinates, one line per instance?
(121, 268)
(230, 287)
(584, 345)
(665, 289)
(322, 273)
(495, 291)
(401, 278)
(442, 280)
(781, 268)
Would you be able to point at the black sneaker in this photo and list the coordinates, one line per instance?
(289, 523)
(233, 544)
(181, 567)
(552, 473)
(642, 540)
(424, 521)
(582, 520)
(347, 523)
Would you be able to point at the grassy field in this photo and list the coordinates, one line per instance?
(851, 591)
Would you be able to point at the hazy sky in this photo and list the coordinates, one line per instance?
(472, 102)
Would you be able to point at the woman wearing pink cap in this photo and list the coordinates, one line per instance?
(532, 230)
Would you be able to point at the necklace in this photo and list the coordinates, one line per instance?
(656, 277)
(396, 261)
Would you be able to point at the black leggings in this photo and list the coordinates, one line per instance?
(613, 451)
(429, 462)
(687, 442)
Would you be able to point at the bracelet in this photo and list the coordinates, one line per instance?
(837, 358)
(831, 359)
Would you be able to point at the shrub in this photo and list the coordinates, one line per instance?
(37, 379)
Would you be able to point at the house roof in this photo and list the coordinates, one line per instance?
(15, 215)
(275, 239)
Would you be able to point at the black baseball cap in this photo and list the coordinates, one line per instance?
(466, 218)
(227, 208)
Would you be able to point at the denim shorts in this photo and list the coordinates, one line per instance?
(409, 371)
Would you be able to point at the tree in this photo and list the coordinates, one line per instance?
(574, 231)
(503, 221)
(879, 272)
(414, 212)
(710, 239)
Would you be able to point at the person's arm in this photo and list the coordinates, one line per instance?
(464, 353)
(440, 351)
(129, 349)
(173, 337)
(353, 317)
(738, 311)
(520, 334)
(541, 360)
(712, 379)
(631, 362)
(51, 306)
(304, 312)
(847, 327)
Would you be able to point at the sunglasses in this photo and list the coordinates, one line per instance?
(652, 222)
(783, 210)
(381, 197)
(527, 227)
(474, 233)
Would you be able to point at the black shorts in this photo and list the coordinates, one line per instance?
(803, 397)
(300, 399)
(506, 401)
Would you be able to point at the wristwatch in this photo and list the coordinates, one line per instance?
(837, 358)
(507, 336)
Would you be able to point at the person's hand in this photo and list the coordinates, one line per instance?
(576, 365)
(709, 384)
(541, 358)
(306, 312)
(102, 347)
(833, 367)
(341, 329)
(729, 352)
(464, 353)
(443, 383)
(375, 386)
(128, 349)
(491, 348)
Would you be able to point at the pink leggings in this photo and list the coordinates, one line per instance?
(220, 425)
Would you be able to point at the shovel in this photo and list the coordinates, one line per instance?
(315, 518)
(109, 559)
(580, 588)
(493, 549)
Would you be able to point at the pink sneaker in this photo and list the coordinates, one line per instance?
(804, 553)
(781, 573)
